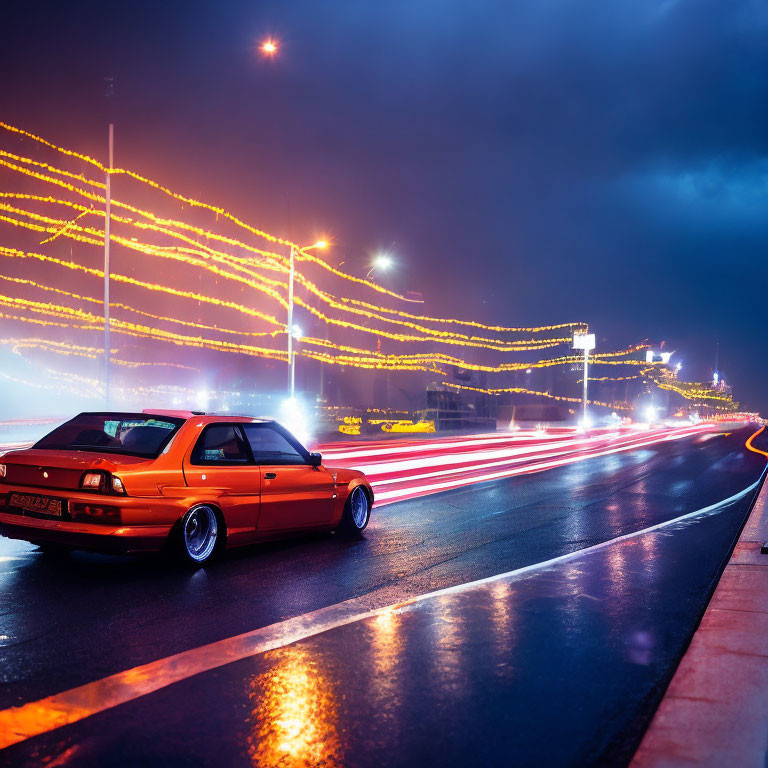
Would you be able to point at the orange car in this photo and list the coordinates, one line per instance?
(138, 482)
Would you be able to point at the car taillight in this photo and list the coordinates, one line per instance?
(94, 513)
(93, 481)
(102, 482)
(117, 485)
(3, 471)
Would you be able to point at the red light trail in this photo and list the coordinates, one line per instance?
(409, 469)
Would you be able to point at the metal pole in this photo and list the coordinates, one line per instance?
(291, 359)
(322, 373)
(586, 381)
(107, 216)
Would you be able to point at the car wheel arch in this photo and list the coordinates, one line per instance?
(217, 511)
(359, 482)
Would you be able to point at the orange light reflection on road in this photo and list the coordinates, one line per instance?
(294, 714)
(386, 655)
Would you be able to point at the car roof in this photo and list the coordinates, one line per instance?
(227, 418)
(206, 418)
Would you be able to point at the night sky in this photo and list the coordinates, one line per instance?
(526, 162)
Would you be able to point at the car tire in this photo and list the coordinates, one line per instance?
(357, 512)
(198, 535)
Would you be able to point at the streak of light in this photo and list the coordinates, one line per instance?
(751, 447)
(443, 469)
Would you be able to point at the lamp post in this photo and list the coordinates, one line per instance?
(107, 221)
(290, 327)
(586, 342)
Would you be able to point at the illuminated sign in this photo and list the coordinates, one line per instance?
(584, 341)
(652, 356)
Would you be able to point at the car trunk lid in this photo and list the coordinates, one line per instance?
(61, 469)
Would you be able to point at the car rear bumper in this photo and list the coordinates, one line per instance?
(119, 539)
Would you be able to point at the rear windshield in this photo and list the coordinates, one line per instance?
(128, 433)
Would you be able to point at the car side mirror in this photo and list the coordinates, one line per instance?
(315, 459)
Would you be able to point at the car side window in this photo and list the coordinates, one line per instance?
(220, 444)
(270, 447)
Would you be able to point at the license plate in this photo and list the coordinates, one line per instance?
(31, 502)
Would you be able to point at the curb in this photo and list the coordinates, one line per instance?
(715, 710)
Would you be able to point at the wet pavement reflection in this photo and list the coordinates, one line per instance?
(560, 666)
(294, 720)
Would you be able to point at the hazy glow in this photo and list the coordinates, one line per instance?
(295, 418)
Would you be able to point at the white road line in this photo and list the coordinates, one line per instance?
(20, 723)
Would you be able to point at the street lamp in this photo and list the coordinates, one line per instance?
(269, 47)
(382, 262)
(585, 341)
(294, 332)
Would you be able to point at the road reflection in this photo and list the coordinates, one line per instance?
(503, 620)
(294, 713)
(448, 648)
(386, 657)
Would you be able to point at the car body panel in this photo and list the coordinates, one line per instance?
(297, 496)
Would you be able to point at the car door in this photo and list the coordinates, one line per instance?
(294, 494)
(221, 461)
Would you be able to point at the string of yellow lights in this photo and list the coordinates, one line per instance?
(232, 305)
(537, 393)
(302, 254)
(248, 272)
(94, 236)
(127, 308)
(358, 357)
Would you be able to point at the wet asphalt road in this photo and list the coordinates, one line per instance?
(561, 666)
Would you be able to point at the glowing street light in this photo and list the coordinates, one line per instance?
(293, 331)
(383, 262)
(269, 47)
